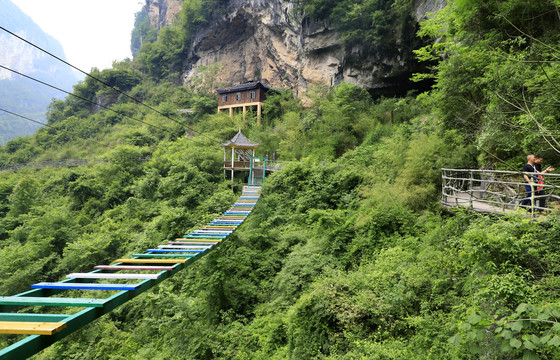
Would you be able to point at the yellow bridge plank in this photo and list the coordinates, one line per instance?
(31, 328)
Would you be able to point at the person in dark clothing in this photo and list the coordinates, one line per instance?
(530, 179)
(541, 200)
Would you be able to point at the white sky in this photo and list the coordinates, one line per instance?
(93, 33)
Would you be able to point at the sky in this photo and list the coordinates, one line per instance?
(93, 33)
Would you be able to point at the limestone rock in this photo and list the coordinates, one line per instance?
(268, 40)
(163, 12)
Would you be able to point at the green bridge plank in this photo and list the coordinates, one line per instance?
(50, 301)
(32, 317)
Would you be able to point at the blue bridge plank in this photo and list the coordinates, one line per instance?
(84, 286)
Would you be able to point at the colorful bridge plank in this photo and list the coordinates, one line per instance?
(185, 246)
(112, 276)
(201, 240)
(219, 235)
(23, 317)
(152, 261)
(50, 301)
(194, 243)
(158, 251)
(31, 328)
(212, 233)
(168, 256)
(212, 237)
(133, 268)
(83, 286)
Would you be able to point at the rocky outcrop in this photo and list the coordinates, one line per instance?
(268, 40)
(424, 7)
(163, 12)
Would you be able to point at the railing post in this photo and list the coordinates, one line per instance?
(443, 183)
(471, 187)
(456, 197)
(532, 199)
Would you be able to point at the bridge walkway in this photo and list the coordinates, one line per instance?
(150, 268)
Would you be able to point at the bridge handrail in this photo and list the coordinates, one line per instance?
(499, 172)
(496, 188)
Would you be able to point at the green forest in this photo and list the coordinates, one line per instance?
(348, 253)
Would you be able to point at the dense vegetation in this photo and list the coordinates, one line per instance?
(373, 25)
(498, 85)
(348, 254)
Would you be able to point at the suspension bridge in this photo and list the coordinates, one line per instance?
(148, 269)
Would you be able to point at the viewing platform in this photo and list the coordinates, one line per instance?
(493, 191)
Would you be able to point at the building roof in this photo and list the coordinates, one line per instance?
(243, 87)
(239, 141)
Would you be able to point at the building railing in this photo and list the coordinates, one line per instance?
(499, 191)
(237, 164)
(270, 165)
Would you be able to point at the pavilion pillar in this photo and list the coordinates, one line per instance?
(225, 160)
(232, 162)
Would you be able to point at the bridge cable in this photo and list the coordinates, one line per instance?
(104, 83)
(76, 136)
(83, 98)
(26, 118)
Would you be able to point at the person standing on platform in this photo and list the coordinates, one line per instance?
(531, 181)
(541, 200)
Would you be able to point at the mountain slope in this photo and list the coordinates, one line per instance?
(20, 95)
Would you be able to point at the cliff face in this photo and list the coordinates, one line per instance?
(266, 40)
(163, 12)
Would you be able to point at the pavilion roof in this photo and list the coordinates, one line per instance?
(240, 141)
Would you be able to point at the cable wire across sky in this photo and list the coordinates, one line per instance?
(78, 97)
(100, 81)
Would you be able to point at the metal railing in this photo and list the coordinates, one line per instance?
(237, 164)
(50, 163)
(270, 165)
(499, 191)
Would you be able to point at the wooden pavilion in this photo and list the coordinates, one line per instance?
(243, 96)
(242, 150)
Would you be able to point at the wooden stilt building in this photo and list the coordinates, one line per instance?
(243, 96)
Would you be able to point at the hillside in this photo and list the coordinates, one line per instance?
(20, 95)
(348, 254)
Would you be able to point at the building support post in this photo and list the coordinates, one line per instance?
(259, 113)
(231, 112)
(225, 160)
